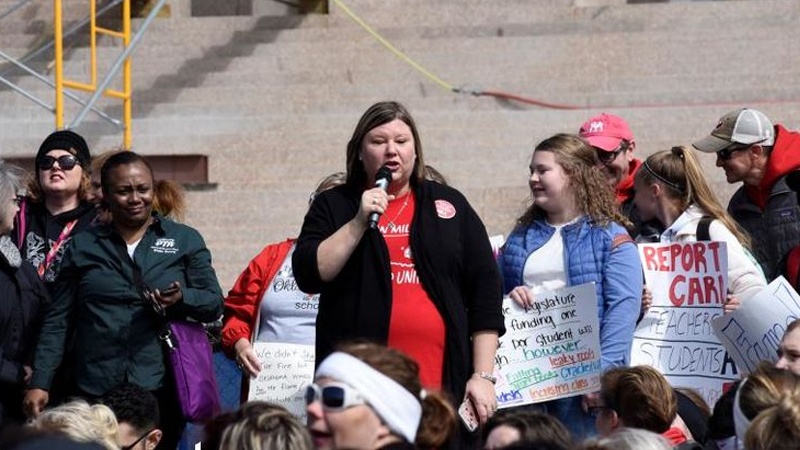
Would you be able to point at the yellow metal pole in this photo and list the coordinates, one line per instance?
(59, 49)
(126, 76)
(93, 42)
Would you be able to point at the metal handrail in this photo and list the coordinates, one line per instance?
(118, 64)
(13, 8)
(44, 80)
(72, 30)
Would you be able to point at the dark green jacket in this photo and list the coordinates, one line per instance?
(115, 328)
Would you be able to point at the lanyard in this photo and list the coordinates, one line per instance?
(54, 249)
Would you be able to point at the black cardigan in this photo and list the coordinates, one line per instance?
(453, 259)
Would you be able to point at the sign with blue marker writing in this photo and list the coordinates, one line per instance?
(753, 332)
(550, 350)
(689, 282)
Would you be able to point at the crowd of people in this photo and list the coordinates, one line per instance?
(393, 280)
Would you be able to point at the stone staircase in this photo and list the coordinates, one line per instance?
(273, 100)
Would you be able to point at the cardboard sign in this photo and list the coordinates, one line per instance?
(753, 332)
(286, 371)
(551, 350)
(689, 283)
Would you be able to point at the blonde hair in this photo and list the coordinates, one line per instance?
(257, 426)
(679, 172)
(593, 195)
(628, 439)
(81, 422)
(777, 426)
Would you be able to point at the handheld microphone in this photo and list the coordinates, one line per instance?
(382, 180)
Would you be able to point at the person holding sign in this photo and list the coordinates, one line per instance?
(404, 261)
(571, 235)
(671, 187)
(265, 304)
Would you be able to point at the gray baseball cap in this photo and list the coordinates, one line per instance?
(743, 126)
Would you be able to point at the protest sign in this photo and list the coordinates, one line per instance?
(689, 283)
(753, 332)
(550, 350)
(286, 371)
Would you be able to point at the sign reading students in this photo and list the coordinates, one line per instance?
(550, 350)
(754, 331)
(689, 284)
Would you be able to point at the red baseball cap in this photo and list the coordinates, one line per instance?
(606, 132)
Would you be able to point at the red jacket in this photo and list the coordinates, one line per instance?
(244, 299)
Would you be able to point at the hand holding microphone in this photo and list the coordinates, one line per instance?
(382, 180)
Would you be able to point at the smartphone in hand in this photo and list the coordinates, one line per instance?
(468, 415)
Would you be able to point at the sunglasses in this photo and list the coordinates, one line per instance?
(65, 162)
(334, 396)
(727, 152)
(606, 157)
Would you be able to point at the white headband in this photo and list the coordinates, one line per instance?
(740, 421)
(399, 409)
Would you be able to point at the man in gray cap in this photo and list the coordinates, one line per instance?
(764, 158)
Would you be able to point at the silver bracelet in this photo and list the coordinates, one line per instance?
(487, 376)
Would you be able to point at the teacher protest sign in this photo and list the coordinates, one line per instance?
(753, 332)
(286, 371)
(550, 350)
(689, 284)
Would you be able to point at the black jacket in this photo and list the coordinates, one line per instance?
(22, 299)
(42, 229)
(453, 259)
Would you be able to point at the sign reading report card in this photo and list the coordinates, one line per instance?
(689, 283)
(550, 350)
(753, 332)
(286, 371)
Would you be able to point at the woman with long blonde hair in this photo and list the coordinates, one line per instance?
(573, 234)
(672, 188)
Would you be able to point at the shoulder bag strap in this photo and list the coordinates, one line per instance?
(703, 226)
(51, 254)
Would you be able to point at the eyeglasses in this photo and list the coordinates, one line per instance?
(65, 162)
(606, 157)
(727, 152)
(141, 438)
(334, 396)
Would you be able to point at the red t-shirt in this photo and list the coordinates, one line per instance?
(416, 327)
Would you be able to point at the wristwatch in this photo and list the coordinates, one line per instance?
(487, 376)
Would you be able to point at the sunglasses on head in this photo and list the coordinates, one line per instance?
(65, 162)
(606, 157)
(334, 396)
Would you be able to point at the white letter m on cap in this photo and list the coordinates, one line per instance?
(595, 127)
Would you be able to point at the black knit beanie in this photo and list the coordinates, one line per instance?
(69, 141)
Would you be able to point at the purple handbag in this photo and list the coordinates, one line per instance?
(190, 356)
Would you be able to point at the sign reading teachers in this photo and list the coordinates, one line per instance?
(753, 332)
(286, 371)
(551, 349)
(689, 283)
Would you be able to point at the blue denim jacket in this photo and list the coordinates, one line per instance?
(605, 255)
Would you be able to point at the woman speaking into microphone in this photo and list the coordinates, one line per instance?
(423, 281)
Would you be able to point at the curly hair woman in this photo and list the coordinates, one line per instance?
(573, 234)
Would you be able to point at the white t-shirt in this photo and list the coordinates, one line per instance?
(287, 314)
(544, 269)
